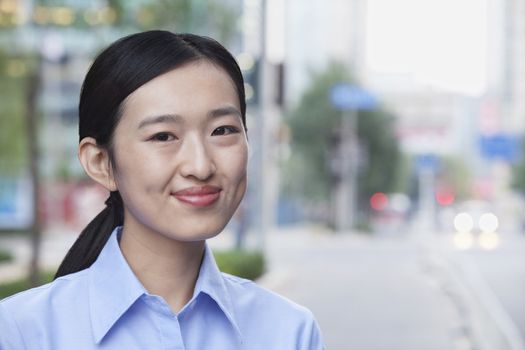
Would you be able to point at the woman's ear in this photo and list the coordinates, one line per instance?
(95, 161)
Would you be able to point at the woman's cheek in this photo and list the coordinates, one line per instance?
(236, 160)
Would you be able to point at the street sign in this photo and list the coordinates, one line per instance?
(345, 96)
(501, 146)
(15, 203)
(428, 162)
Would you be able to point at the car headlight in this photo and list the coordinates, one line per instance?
(463, 222)
(488, 222)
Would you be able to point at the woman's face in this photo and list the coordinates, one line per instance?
(180, 153)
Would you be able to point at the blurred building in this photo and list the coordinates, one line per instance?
(507, 63)
(434, 122)
(435, 119)
(318, 32)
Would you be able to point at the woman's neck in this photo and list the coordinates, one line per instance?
(164, 266)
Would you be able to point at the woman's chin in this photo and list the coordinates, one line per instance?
(194, 234)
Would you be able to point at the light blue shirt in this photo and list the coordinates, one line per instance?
(106, 307)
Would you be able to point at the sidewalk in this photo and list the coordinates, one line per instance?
(54, 247)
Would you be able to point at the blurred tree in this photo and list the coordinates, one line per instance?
(314, 123)
(19, 84)
(195, 16)
(456, 174)
(205, 17)
(31, 124)
(13, 140)
(382, 160)
(518, 172)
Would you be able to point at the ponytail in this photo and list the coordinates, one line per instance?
(92, 239)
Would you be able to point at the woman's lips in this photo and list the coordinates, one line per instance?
(198, 196)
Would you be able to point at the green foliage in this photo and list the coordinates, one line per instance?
(5, 256)
(250, 265)
(518, 173)
(402, 183)
(13, 142)
(518, 181)
(455, 173)
(19, 285)
(313, 124)
(200, 17)
(381, 171)
(205, 17)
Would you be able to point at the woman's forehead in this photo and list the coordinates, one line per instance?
(190, 77)
(199, 87)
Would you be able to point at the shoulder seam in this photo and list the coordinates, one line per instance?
(42, 287)
(27, 291)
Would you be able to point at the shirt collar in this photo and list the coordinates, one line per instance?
(114, 288)
(211, 282)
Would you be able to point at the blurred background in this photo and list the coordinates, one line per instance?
(386, 172)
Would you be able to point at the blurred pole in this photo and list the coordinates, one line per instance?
(32, 136)
(427, 201)
(262, 213)
(346, 188)
(258, 197)
(255, 44)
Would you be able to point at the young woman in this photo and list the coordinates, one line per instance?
(162, 127)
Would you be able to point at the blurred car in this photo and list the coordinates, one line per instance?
(475, 217)
(476, 223)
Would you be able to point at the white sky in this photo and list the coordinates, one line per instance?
(441, 43)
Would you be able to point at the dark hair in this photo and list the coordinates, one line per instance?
(119, 70)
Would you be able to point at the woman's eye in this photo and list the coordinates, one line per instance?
(163, 137)
(225, 130)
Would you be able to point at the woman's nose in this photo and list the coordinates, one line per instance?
(196, 160)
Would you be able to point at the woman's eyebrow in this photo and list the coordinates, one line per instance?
(165, 118)
(222, 111)
(174, 118)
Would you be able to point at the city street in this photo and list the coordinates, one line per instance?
(366, 292)
(399, 292)
(502, 272)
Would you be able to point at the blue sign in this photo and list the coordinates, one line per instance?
(501, 146)
(429, 162)
(351, 97)
(15, 203)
